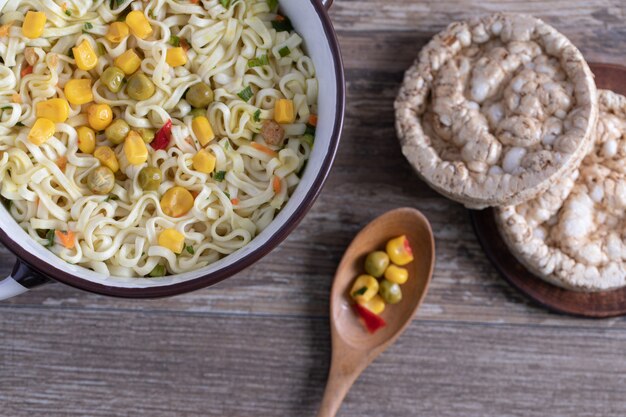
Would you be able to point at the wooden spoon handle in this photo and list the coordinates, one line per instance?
(339, 383)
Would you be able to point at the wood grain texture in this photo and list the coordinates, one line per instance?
(258, 343)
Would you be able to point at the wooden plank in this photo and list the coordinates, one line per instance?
(77, 362)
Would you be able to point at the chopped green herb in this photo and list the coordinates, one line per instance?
(360, 291)
(158, 271)
(50, 238)
(152, 15)
(219, 176)
(308, 139)
(246, 94)
(272, 4)
(284, 51)
(225, 3)
(190, 249)
(101, 49)
(310, 130)
(227, 194)
(20, 124)
(257, 115)
(174, 40)
(282, 24)
(88, 26)
(226, 145)
(7, 107)
(259, 61)
(68, 12)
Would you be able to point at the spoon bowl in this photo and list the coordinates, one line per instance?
(353, 347)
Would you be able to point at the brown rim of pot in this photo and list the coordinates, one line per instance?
(40, 266)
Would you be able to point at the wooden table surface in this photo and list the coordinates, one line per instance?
(258, 344)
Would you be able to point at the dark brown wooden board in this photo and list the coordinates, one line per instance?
(597, 304)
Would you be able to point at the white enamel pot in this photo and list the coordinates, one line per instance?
(36, 265)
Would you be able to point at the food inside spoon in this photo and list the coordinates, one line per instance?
(380, 285)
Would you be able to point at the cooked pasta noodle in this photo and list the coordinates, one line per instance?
(252, 61)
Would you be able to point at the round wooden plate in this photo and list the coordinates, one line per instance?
(597, 304)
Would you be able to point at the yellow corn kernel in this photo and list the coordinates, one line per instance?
(399, 250)
(33, 25)
(86, 139)
(376, 304)
(128, 62)
(42, 130)
(135, 149)
(203, 130)
(176, 202)
(78, 91)
(99, 116)
(85, 56)
(107, 157)
(283, 111)
(138, 24)
(203, 161)
(396, 274)
(365, 287)
(172, 239)
(176, 57)
(55, 109)
(118, 31)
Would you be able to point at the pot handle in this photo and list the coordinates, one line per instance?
(21, 280)
(327, 4)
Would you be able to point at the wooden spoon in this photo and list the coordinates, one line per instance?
(353, 348)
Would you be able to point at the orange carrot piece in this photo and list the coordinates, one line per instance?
(194, 193)
(67, 239)
(62, 163)
(313, 120)
(26, 70)
(276, 185)
(4, 29)
(264, 149)
(185, 45)
(280, 18)
(235, 201)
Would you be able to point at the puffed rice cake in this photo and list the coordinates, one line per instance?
(496, 109)
(573, 235)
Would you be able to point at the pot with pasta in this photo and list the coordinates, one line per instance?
(149, 148)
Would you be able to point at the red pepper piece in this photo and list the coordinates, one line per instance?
(372, 321)
(407, 246)
(163, 136)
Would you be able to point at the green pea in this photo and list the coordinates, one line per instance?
(101, 180)
(146, 134)
(117, 131)
(140, 87)
(112, 78)
(197, 113)
(199, 95)
(376, 263)
(390, 292)
(150, 178)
